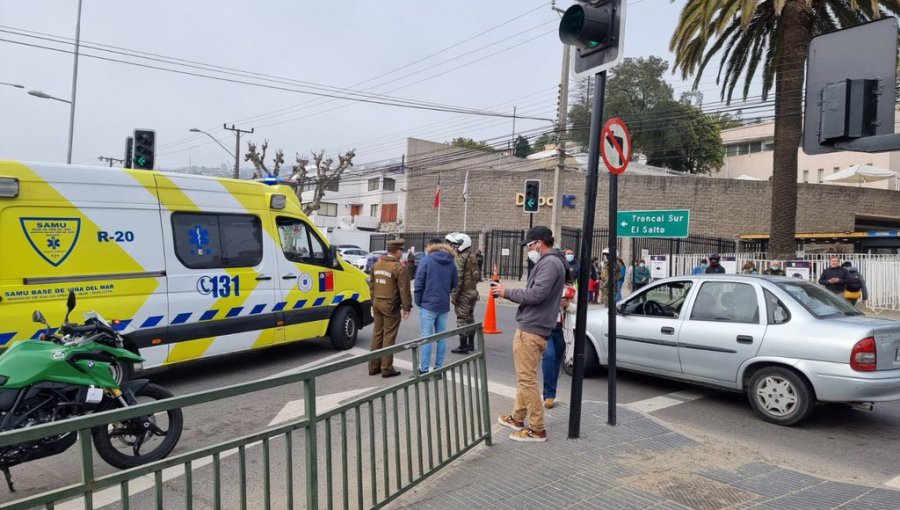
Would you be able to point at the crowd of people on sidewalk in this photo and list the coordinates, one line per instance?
(449, 272)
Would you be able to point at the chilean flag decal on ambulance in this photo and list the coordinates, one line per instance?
(326, 282)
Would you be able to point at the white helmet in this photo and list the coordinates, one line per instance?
(452, 239)
(463, 241)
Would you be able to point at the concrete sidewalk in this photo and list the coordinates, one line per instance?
(640, 463)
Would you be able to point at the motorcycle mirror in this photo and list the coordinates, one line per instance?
(70, 304)
(38, 317)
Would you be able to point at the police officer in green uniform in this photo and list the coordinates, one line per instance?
(391, 301)
(465, 295)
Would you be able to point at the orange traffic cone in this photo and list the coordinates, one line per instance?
(490, 316)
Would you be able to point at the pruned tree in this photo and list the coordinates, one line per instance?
(322, 177)
(258, 159)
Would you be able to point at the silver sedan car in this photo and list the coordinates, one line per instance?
(785, 343)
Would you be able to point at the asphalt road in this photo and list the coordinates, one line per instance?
(838, 442)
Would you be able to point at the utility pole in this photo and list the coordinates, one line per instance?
(111, 160)
(237, 147)
(561, 121)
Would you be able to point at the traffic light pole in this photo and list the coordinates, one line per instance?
(590, 203)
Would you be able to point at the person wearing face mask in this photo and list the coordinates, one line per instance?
(641, 275)
(573, 264)
(539, 307)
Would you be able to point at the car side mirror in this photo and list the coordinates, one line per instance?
(333, 256)
(38, 317)
(621, 309)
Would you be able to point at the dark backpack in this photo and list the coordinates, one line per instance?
(853, 281)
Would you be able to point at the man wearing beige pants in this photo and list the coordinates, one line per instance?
(536, 318)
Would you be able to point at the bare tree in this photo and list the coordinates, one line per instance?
(259, 160)
(324, 175)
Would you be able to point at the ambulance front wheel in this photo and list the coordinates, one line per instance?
(344, 328)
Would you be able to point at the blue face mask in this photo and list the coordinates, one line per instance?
(570, 258)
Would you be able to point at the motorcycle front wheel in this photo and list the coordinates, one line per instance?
(139, 440)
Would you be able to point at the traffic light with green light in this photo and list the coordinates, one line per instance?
(532, 196)
(144, 149)
(595, 30)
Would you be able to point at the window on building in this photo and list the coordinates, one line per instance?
(821, 177)
(756, 147)
(835, 170)
(769, 145)
(388, 184)
(334, 185)
(389, 213)
(806, 176)
(743, 149)
(327, 209)
(309, 184)
(204, 240)
(731, 150)
(373, 210)
(373, 184)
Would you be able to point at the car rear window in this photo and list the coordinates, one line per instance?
(819, 302)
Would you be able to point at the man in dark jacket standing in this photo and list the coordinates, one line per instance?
(833, 277)
(714, 266)
(436, 277)
(538, 308)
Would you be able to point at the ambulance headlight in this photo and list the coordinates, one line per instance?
(278, 201)
(9, 187)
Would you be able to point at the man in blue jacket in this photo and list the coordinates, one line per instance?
(436, 276)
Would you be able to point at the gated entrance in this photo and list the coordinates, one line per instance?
(501, 247)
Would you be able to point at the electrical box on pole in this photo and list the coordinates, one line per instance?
(532, 202)
(144, 149)
(596, 30)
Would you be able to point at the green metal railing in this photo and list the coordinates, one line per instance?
(414, 428)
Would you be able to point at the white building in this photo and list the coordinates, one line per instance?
(371, 199)
(749, 155)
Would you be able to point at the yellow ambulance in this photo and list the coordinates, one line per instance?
(190, 266)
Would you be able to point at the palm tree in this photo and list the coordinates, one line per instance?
(773, 34)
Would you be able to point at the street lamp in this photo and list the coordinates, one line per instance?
(43, 95)
(233, 155)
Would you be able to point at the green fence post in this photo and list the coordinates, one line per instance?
(312, 475)
(485, 394)
(87, 466)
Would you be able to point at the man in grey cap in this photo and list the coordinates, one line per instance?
(536, 316)
(391, 302)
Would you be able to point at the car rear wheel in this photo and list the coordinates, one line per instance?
(344, 328)
(779, 395)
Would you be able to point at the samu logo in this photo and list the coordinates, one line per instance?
(52, 238)
(219, 285)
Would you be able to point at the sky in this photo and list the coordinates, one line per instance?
(489, 56)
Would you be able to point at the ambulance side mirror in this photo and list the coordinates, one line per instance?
(332, 256)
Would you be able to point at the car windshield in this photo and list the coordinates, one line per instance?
(818, 301)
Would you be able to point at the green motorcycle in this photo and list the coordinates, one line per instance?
(72, 372)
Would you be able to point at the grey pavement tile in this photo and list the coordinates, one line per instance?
(756, 468)
(777, 483)
(669, 505)
(876, 499)
(824, 495)
(646, 427)
(721, 475)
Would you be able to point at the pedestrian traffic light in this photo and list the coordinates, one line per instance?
(129, 150)
(596, 32)
(532, 196)
(144, 148)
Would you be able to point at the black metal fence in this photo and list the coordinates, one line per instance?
(502, 248)
(688, 245)
(571, 238)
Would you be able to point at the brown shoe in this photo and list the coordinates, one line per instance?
(393, 373)
(548, 403)
(509, 421)
(375, 372)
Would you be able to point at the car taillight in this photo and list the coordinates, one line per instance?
(863, 357)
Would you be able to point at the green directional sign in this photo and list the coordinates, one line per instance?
(670, 223)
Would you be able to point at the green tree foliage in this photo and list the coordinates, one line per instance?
(522, 148)
(671, 134)
(542, 141)
(771, 38)
(468, 143)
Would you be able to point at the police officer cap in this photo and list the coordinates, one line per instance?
(396, 244)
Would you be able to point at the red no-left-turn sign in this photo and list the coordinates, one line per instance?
(615, 145)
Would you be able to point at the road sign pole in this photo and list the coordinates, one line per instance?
(611, 298)
(587, 229)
